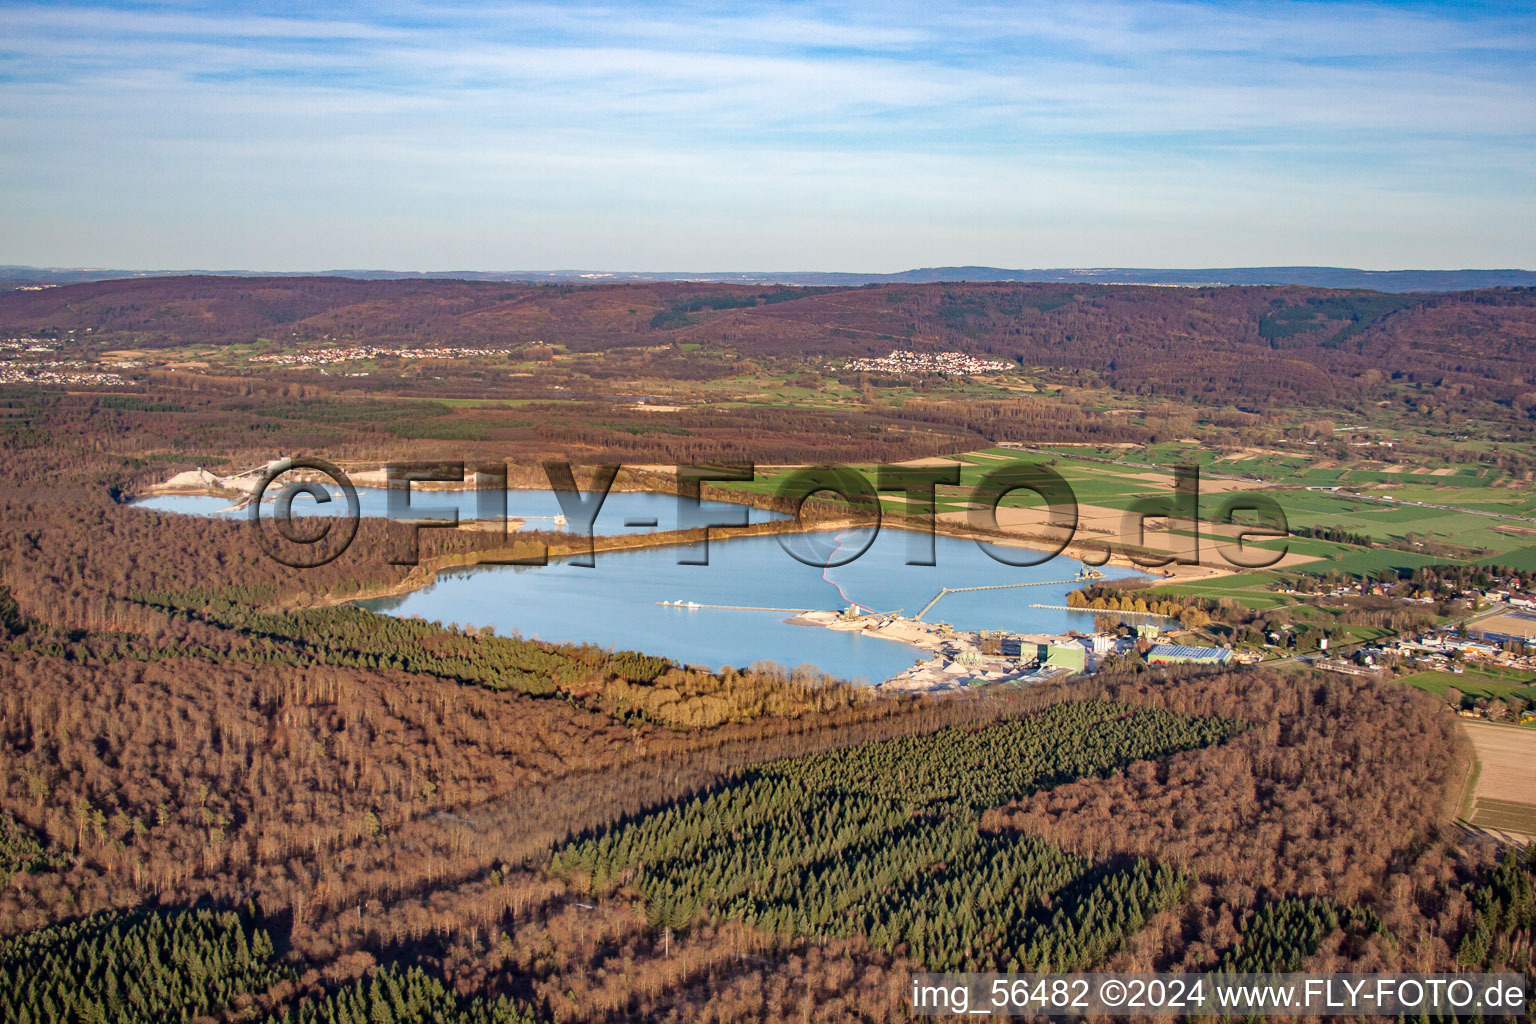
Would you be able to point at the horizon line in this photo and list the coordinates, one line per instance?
(682, 274)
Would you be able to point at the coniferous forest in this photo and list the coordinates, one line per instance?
(137, 966)
(882, 841)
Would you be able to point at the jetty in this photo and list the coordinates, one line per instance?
(994, 586)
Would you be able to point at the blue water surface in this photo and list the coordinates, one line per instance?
(621, 511)
(617, 602)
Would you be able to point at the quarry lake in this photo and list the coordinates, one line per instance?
(618, 602)
(538, 507)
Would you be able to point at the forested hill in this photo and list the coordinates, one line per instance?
(1256, 344)
(1312, 277)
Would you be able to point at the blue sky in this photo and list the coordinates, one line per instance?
(810, 136)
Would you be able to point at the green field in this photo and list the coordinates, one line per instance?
(1248, 589)
(1521, 558)
(1474, 683)
(1122, 486)
(1368, 562)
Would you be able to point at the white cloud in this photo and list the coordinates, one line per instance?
(1133, 120)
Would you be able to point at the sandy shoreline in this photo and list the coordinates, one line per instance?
(941, 671)
(202, 481)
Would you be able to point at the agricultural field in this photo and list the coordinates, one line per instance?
(1502, 798)
(1369, 562)
(1476, 682)
(1521, 558)
(1251, 589)
(1384, 521)
(1401, 538)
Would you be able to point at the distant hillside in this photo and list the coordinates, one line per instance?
(1258, 344)
(1312, 277)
